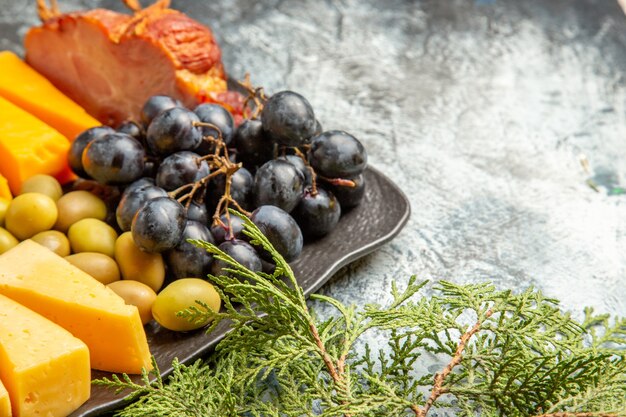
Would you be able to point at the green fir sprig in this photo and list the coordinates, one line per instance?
(504, 354)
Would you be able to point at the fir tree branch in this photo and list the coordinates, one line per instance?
(506, 354)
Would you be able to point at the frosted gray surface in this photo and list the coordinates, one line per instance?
(479, 110)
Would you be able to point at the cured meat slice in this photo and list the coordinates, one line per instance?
(110, 62)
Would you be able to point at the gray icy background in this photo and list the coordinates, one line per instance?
(481, 111)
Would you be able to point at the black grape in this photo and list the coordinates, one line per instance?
(132, 201)
(75, 154)
(317, 214)
(155, 105)
(188, 260)
(179, 169)
(173, 130)
(158, 225)
(241, 188)
(289, 118)
(254, 146)
(278, 183)
(114, 158)
(349, 197)
(280, 229)
(240, 251)
(218, 116)
(337, 154)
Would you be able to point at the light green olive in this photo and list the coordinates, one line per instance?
(98, 265)
(137, 265)
(136, 294)
(4, 206)
(92, 235)
(42, 184)
(7, 240)
(54, 240)
(78, 205)
(29, 214)
(180, 295)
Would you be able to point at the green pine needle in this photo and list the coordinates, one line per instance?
(506, 354)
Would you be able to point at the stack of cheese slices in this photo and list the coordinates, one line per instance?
(56, 321)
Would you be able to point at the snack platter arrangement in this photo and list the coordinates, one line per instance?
(101, 187)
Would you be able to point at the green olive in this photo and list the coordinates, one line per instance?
(42, 184)
(54, 240)
(29, 214)
(137, 265)
(4, 206)
(78, 205)
(98, 265)
(7, 240)
(136, 294)
(180, 295)
(92, 235)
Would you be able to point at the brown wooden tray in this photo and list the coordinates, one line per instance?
(380, 216)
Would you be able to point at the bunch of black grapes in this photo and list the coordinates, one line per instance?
(180, 171)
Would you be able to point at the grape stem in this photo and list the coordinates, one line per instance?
(342, 182)
(256, 95)
(302, 156)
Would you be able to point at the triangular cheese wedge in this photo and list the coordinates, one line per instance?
(48, 284)
(28, 89)
(45, 369)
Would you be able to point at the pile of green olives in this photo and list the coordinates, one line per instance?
(73, 225)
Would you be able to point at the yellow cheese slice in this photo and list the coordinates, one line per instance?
(45, 368)
(48, 284)
(28, 89)
(5, 402)
(28, 146)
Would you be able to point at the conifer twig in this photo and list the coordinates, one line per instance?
(440, 377)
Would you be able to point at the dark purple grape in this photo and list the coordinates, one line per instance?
(114, 158)
(337, 154)
(278, 183)
(289, 118)
(132, 129)
(280, 229)
(132, 201)
(181, 168)
(240, 251)
(155, 105)
(158, 225)
(317, 214)
(197, 211)
(218, 116)
(222, 232)
(173, 130)
(75, 154)
(187, 260)
(297, 162)
(241, 188)
(254, 147)
(140, 183)
(349, 197)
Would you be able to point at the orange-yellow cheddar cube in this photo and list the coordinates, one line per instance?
(28, 146)
(5, 402)
(26, 88)
(48, 284)
(44, 368)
